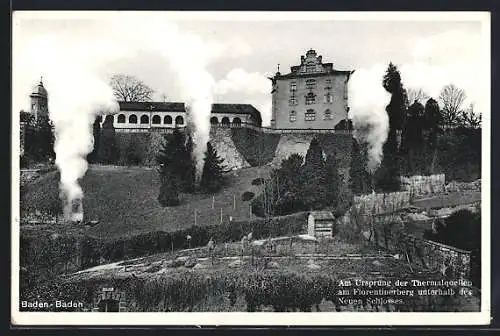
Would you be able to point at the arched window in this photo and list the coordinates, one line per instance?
(179, 120)
(156, 120)
(225, 121)
(144, 119)
(132, 119)
(237, 122)
(310, 115)
(293, 116)
(214, 120)
(121, 118)
(328, 115)
(167, 120)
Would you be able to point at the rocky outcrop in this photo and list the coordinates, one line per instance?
(291, 144)
(226, 149)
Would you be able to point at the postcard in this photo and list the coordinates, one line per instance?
(250, 168)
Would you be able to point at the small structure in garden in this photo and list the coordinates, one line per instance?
(110, 299)
(320, 224)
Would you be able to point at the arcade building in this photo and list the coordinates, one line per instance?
(313, 96)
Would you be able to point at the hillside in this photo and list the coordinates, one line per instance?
(124, 200)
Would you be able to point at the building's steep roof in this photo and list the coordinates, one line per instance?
(180, 107)
(152, 106)
(238, 109)
(316, 74)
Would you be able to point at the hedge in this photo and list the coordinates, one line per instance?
(46, 254)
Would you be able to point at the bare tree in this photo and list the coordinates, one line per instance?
(417, 95)
(470, 118)
(451, 98)
(129, 88)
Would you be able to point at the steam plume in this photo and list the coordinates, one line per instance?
(187, 55)
(76, 97)
(367, 100)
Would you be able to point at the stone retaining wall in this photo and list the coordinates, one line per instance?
(423, 185)
(377, 203)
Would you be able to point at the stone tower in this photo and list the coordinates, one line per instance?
(39, 101)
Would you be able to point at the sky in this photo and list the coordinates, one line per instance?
(237, 52)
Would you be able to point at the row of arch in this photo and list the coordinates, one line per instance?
(179, 120)
(156, 120)
(225, 121)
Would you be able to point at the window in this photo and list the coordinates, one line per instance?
(132, 119)
(311, 84)
(310, 98)
(293, 116)
(225, 121)
(156, 120)
(214, 120)
(293, 87)
(179, 120)
(310, 115)
(292, 101)
(121, 118)
(237, 122)
(144, 119)
(328, 98)
(167, 120)
(328, 81)
(328, 115)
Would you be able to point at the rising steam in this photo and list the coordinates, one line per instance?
(76, 97)
(187, 55)
(367, 100)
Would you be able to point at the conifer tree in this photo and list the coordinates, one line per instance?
(96, 132)
(432, 120)
(170, 184)
(388, 176)
(432, 123)
(314, 178)
(287, 185)
(412, 138)
(108, 149)
(333, 181)
(189, 173)
(212, 174)
(359, 178)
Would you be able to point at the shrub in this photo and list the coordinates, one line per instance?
(247, 196)
(257, 181)
(287, 291)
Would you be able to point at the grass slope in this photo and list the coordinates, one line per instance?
(124, 200)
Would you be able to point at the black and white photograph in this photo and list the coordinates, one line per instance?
(250, 168)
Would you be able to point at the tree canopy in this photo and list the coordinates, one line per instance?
(130, 89)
